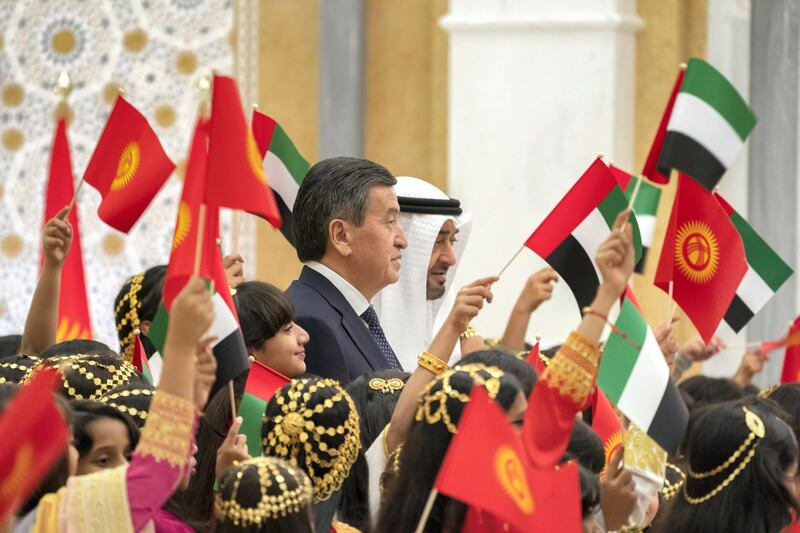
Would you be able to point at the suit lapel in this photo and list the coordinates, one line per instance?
(351, 322)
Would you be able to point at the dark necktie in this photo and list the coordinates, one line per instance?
(371, 318)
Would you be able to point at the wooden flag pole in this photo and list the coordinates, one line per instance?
(233, 402)
(198, 250)
(427, 510)
(511, 261)
(670, 303)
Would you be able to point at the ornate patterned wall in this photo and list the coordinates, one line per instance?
(156, 50)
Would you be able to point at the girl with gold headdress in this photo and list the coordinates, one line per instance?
(129, 498)
(313, 424)
(264, 494)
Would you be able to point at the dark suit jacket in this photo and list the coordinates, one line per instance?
(341, 346)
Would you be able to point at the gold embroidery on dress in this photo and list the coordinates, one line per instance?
(98, 502)
(167, 434)
(573, 369)
(644, 456)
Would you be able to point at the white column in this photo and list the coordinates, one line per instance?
(536, 90)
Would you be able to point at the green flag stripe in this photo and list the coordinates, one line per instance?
(706, 83)
(647, 198)
(158, 329)
(619, 355)
(763, 259)
(283, 148)
(610, 207)
(252, 412)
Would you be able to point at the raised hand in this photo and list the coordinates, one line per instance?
(234, 271)
(665, 335)
(57, 239)
(191, 315)
(232, 449)
(615, 257)
(696, 350)
(205, 372)
(617, 493)
(469, 302)
(538, 289)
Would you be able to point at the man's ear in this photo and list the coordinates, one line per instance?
(340, 236)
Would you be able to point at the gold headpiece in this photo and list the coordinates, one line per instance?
(285, 490)
(113, 398)
(131, 317)
(670, 489)
(84, 365)
(757, 432)
(432, 405)
(765, 393)
(386, 386)
(329, 452)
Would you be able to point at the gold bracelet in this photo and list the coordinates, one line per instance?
(432, 363)
(469, 333)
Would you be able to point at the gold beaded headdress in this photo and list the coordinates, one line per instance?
(117, 401)
(329, 452)
(673, 482)
(432, 405)
(131, 316)
(98, 376)
(750, 444)
(284, 489)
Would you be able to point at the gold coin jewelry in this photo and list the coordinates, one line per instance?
(432, 405)
(284, 490)
(386, 386)
(328, 452)
(131, 316)
(757, 432)
(469, 333)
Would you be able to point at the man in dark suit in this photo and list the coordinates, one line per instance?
(347, 234)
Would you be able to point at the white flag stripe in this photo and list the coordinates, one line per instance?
(156, 364)
(224, 324)
(754, 291)
(280, 179)
(693, 117)
(590, 234)
(646, 384)
(647, 227)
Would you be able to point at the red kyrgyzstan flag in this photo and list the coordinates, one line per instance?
(128, 167)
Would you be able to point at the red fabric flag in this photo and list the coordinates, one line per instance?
(236, 177)
(790, 373)
(74, 321)
(606, 424)
(128, 167)
(34, 437)
(140, 360)
(790, 340)
(703, 256)
(535, 359)
(651, 169)
(184, 240)
(486, 466)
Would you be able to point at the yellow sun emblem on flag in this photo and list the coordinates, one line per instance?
(71, 330)
(254, 158)
(511, 475)
(12, 482)
(696, 251)
(127, 166)
(609, 447)
(183, 225)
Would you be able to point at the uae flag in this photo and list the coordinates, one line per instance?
(283, 164)
(650, 169)
(635, 377)
(74, 321)
(194, 217)
(141, 363)
(766, 272)
(645, 207)
(262, 384)
(486, 467)
(236, 177)
(708, 126)
(35, 435)
(702, 256)
(570, 235)
(128, 167)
